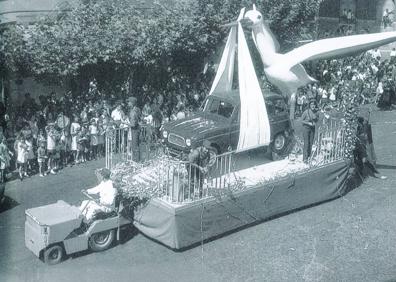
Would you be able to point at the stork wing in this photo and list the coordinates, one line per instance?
(336, 47)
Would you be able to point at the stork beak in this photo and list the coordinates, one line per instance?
(234, 23)
(246, 22)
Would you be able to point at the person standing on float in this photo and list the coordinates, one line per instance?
(134, 119)
(309, 119)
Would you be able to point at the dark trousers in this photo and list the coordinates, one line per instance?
(135, 144)
(308, 135)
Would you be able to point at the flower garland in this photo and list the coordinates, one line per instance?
(138, 183)
(349, 106)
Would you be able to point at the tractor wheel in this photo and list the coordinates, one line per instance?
(53, 255)
(102, 240)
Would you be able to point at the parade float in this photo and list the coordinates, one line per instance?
(167, 202)
(173, 208)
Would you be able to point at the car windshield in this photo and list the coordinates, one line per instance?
(219, 107)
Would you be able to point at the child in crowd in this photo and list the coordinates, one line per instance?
(41, 137)
(82, 147)
(101, 139)
(57, 156)
(41, 156)
(22, 155)
(30, 153)
(51, 145)
(5, 157)
(93, 132)
(74, 132)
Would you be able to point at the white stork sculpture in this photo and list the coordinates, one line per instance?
(285, 70)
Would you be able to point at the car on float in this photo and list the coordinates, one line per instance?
(56, 230)
(218, 122)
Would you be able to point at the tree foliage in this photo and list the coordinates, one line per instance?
(162, 48)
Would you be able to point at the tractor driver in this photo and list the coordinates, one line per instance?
(107, 194)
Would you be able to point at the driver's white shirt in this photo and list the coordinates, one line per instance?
(106, 191)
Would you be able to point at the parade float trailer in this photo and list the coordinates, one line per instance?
(187, 211)
(182, 218)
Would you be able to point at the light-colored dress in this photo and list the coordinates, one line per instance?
(22, 152)
(101, 135)
(93, 132)
(74, 129)
(30, 151)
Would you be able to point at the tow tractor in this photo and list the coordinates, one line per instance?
(56, 230)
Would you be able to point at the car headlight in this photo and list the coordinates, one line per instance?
(188, 142)
(165, 134)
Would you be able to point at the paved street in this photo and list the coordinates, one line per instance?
(348, 239)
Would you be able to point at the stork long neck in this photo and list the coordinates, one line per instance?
(266, 45)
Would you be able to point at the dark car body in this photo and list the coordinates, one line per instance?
(218, 122)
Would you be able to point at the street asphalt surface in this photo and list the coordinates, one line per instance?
(352, 238)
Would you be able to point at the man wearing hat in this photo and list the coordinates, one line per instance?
(198, 158)
(134, 119)
(309, 119)
(107, 194)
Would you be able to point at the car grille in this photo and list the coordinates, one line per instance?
(176, 140)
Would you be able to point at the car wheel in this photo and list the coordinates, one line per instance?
(53, 255)
(102, 240)
(279, 144)
(213, 152)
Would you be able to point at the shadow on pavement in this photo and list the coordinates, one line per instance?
(8, 204)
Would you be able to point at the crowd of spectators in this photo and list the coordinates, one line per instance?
(374, 79)
(46, 135)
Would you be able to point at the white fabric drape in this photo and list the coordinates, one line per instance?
(225, 73)
(254, 123)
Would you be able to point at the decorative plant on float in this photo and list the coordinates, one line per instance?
(349, 106)
(137, 183)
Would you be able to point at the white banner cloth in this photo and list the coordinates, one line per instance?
(254, 124)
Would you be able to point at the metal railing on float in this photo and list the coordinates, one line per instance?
(186, 182)
(329, 143)
(118, 144)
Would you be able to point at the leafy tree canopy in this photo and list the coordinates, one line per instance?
(162, 48)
